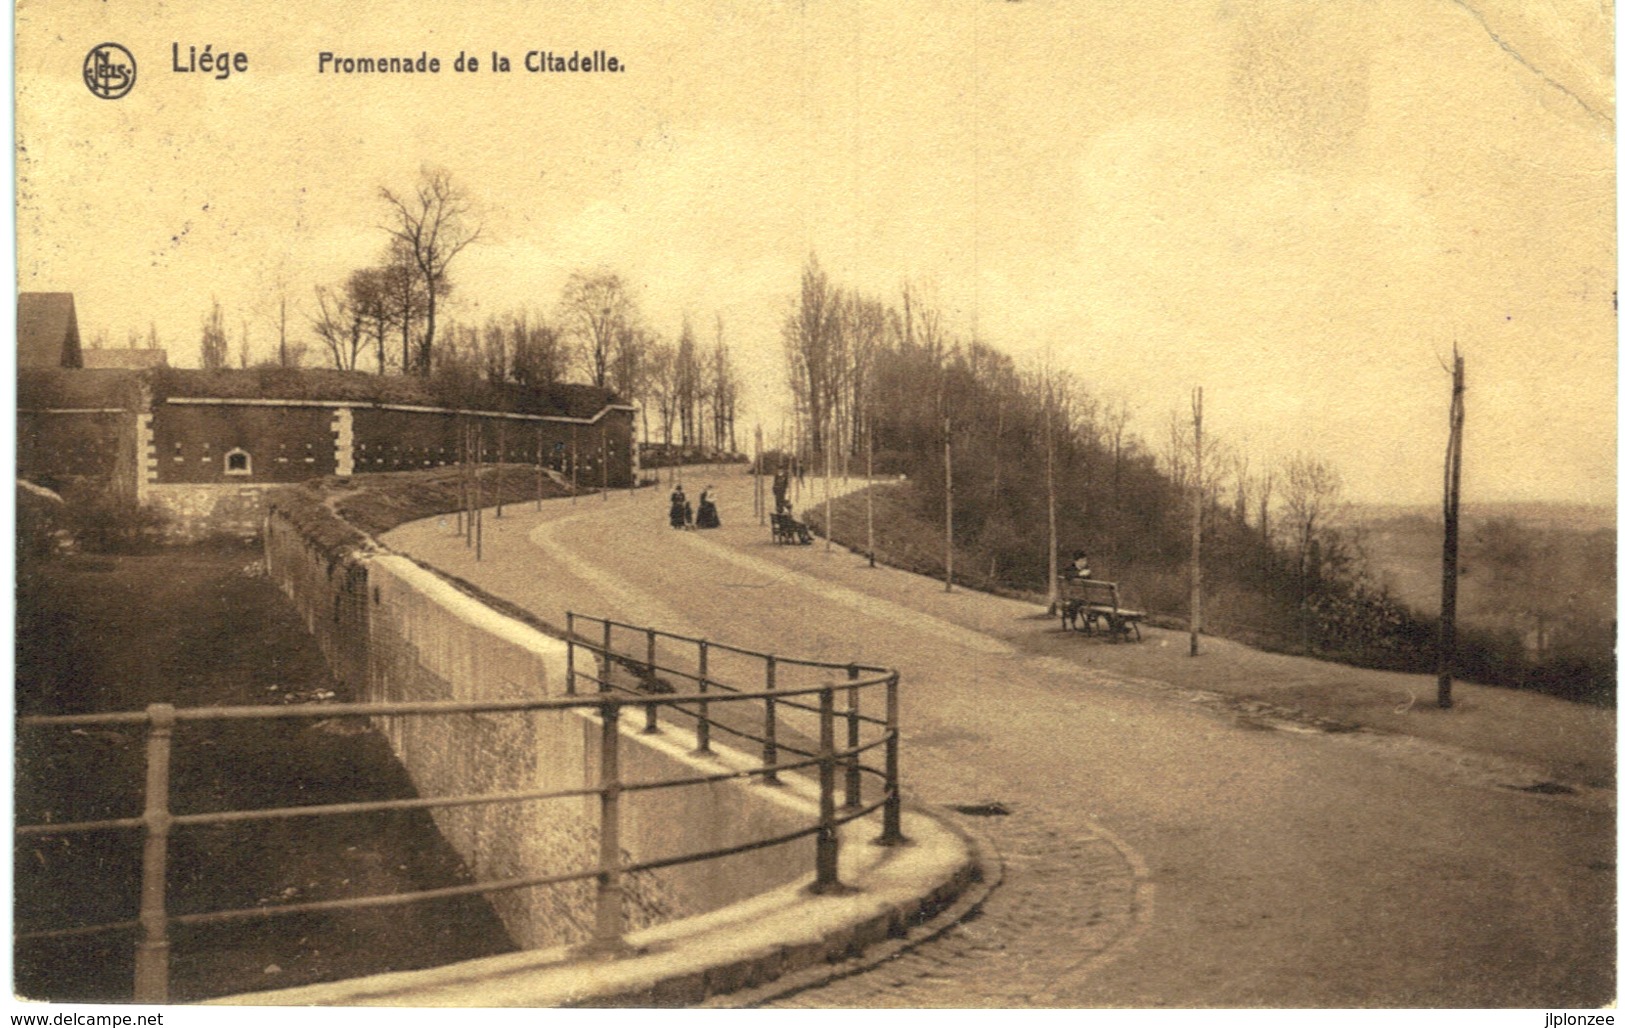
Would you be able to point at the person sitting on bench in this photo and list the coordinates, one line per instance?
(1079, 568)
(798, 528)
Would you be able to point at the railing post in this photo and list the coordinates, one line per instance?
(703, 730)
(607, 924)
(829, 844)
(570, 650)
(651, 724)
(770, 726)
(891, 830)
(854, 766)
(152, 952)
(603, 677)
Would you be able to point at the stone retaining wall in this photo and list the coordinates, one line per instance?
(395, 632)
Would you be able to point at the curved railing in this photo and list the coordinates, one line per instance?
(621, 667)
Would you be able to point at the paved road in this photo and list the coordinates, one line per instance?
(1157, 853)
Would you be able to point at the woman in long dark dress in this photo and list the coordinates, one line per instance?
(708, 511)
(679, 508)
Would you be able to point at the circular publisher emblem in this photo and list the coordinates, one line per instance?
(109, 71)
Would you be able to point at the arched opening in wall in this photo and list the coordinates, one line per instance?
(238, 462)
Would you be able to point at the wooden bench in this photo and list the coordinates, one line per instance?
(787, 529)
(1088, 603)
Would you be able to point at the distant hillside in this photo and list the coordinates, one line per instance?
(1542, 572)
(1575, 517)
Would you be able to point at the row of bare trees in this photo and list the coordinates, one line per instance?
(864, 370)
(389, 318)
(388, 314)
(689, 391)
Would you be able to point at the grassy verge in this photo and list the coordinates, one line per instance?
(1366, 632)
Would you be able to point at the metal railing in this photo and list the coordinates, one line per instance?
(619, 680)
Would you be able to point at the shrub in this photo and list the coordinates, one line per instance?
(105, 522)
(41, 522)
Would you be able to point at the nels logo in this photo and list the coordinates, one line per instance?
(109, 71)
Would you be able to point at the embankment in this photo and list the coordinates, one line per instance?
(398, 632)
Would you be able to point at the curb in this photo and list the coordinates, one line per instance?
(779, 942)
(984, 874)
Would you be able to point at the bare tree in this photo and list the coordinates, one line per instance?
(811, 335)
(431, 227)
(596, 308)
(495, 350)
(723, 389)
(687, 379)
(367, 292)
(338, 325)
(1312, 493)
(865, 332)
(627, 373)
(662, 388)
(405, 300)
(540, 357)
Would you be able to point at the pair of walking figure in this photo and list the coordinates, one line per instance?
(683, 515)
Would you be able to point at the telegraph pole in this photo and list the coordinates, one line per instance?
(829, 509)
(502, 449)
(756, 493)
(1049, 481)
(869, 489)
(1452, 511)
(948, 478)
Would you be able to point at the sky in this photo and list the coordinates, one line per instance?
(1300, 208)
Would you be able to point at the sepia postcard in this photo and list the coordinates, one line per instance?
(1017, 504)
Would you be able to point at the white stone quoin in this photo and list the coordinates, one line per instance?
(344, 442)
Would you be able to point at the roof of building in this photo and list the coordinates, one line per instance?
(78, 389)
(94, 358)
(99, 388)
(47, 331)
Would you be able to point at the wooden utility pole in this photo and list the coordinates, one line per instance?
(948, 477)
(1049, 483)
(1196, 526)
(829, 508)
(462, 480)
(1452, 510)
(478, 513)
(470, 471)
(538, 467)
(758, 497)
(502, 448)
(869, 489)
(575, 461)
